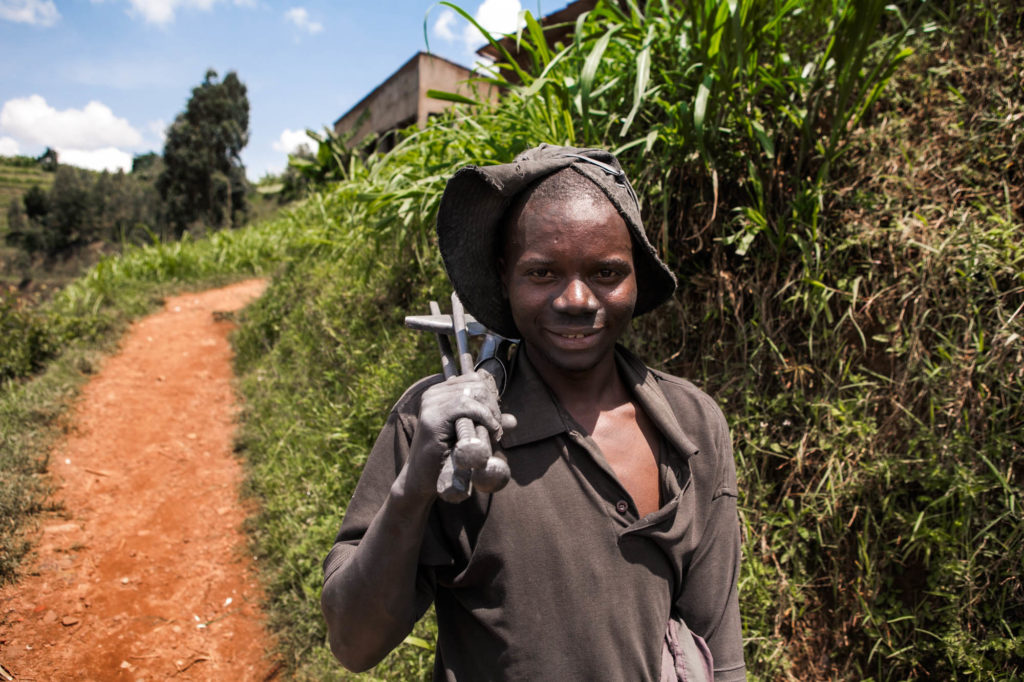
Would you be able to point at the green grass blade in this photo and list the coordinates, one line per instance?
(452, 97)
(643, 75)
(588, 74)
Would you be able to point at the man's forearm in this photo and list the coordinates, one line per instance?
(370, 601)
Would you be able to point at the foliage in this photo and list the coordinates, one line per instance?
(292, 183)
(28, 343)
(81, 208)
(349, 325)
(48, 160)
(28, 416)
(332, 161)
(204, 180)
(17, 175)
(20, 161)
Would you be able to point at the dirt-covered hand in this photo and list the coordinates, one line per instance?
(474, 396)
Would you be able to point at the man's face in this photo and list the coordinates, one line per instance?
(568, 273)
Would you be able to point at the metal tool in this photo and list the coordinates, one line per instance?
(471, 460)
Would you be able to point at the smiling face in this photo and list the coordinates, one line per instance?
(567, 269)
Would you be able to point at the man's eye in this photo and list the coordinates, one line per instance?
(607, 273)
(542, 273)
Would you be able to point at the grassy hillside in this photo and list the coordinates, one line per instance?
(847, 219)
(17, 175)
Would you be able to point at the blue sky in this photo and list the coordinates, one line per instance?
(100, 80)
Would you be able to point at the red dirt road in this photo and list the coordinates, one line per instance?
(145, 575)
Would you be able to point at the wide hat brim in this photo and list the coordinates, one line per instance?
(475, 202)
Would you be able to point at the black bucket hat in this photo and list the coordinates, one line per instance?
(475, 202)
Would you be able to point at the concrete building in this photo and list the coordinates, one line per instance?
(401, 100)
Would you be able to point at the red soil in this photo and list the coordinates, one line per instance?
(145, 574)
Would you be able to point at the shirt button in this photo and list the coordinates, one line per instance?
(622, 506)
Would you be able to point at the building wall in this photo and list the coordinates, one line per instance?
(402, 100)
(392, 104)
(439, 74)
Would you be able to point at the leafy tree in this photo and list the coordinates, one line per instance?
(37, 203)
(147, 165)
(293, 183)
(203, 180)
(48, 160)
(83, 208)
(70, 213)
(26, 227)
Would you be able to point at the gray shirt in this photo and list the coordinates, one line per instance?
(556, 576)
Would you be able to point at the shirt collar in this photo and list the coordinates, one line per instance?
(528, 399)
(538, 417)
(643, 383)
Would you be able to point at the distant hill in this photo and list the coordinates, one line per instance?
(17, 175)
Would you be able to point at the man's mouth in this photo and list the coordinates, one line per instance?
(565, 334)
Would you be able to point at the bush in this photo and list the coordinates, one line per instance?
(28, 341)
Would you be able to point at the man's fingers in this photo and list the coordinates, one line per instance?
(478, 412)
(474, 396)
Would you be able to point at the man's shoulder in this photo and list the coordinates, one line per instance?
(678, 388)
(681, 393)
(704, 423)
(673, 382)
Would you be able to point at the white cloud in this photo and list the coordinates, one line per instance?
(497, 16)
(300, 17)
(290, 140)
(90, 137)
(107, 158)
(444, 24)
(31, 119)
(39, 12)
(158, 131)
(157, 11)
(162, 11)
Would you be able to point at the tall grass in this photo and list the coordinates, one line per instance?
(323, 355)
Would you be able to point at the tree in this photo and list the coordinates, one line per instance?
(81, 209)
(48, 160)
(203, 180)
(70, 219)
(26, 228)
(147, 165)
(37, 203)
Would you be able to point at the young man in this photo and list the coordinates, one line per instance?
(613, 552)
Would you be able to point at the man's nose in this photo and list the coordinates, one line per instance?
(576, 298)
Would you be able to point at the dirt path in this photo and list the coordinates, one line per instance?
(144, 576)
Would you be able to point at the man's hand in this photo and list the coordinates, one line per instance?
(474, 396)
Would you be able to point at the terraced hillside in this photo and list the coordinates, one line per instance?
(17, 175)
